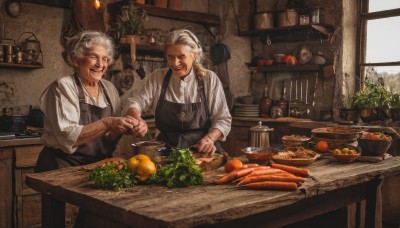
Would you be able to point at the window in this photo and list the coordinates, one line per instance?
(379, 47)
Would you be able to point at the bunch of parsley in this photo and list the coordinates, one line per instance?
(113, 176)
(181, 172)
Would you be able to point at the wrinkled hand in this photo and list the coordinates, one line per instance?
(139, 128)
(206, 145)
(122, 125)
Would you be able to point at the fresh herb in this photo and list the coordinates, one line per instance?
(181, 172)
(113, 176)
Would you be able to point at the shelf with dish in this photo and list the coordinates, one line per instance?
(292, 33)
(189, 16)
(288, 68)
(21, 66)
(144, 49)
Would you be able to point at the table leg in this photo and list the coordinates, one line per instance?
(53, 212)
(373, 210)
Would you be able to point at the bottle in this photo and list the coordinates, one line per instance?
(265, 104)
(283, 103)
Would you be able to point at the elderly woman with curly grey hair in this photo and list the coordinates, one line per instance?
(187, 99)
(82, 121)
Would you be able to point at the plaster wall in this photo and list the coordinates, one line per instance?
(21, 88)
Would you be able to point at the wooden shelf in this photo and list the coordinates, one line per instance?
(143, 50)
(292, 33)
(189, 16)
(21, 66)
(288, 68)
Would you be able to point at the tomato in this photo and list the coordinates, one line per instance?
(233, 164)
(289, 59)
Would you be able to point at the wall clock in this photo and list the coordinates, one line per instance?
(13, 8)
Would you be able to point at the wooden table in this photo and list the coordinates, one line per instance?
(332, 186)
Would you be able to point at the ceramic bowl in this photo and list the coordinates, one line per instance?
(259, 155)
(346, 158)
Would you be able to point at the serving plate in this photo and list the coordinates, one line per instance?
(295, 161)
(296, 156)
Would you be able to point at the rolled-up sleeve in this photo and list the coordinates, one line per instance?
(221, 118)
(60, 105)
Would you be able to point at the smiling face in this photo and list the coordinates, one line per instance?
(180, 59)
(93, 64)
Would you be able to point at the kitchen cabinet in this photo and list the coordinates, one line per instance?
(20, 206)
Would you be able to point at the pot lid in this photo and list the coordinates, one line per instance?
(260, 128)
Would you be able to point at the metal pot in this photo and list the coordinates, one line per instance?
(263, 20)
(153, 149)
(288, 17)
(259, 135)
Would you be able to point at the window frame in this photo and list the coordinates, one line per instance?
(363, 17)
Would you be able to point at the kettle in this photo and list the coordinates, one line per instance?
(259, 135)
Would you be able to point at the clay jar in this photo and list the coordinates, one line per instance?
(265, 106)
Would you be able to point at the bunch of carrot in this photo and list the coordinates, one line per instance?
(275, 177)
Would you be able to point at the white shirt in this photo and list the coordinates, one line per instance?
(60, 105)
(184, 92)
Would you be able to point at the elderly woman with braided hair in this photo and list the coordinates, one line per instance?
(187, 99)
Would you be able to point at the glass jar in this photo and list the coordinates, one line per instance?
(315, 16)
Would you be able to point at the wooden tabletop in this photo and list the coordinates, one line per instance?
(209, 204)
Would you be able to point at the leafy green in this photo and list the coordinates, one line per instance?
(181, 172)
(113, 176)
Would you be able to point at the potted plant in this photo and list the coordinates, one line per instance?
(349, 112)
(373, 101)
(129, 22)
(395, 106)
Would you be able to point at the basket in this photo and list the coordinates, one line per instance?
(371, 147)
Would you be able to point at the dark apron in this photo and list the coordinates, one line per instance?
(182, 125)
(96, 150)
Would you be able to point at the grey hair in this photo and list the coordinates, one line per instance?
(186, 37)
(77, 46)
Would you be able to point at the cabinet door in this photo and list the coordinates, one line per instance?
(6, 155)
(236, 141)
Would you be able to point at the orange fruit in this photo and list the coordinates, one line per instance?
(145, 168)
(134, 161)
(322, 146)
(233, 164)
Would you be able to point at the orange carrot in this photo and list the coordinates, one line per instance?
(261, 178)
(273, 185)
(250, 165)
(264, 171)
(291, 169)
(233, 175)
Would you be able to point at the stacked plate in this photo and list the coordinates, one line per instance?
(246, 110)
